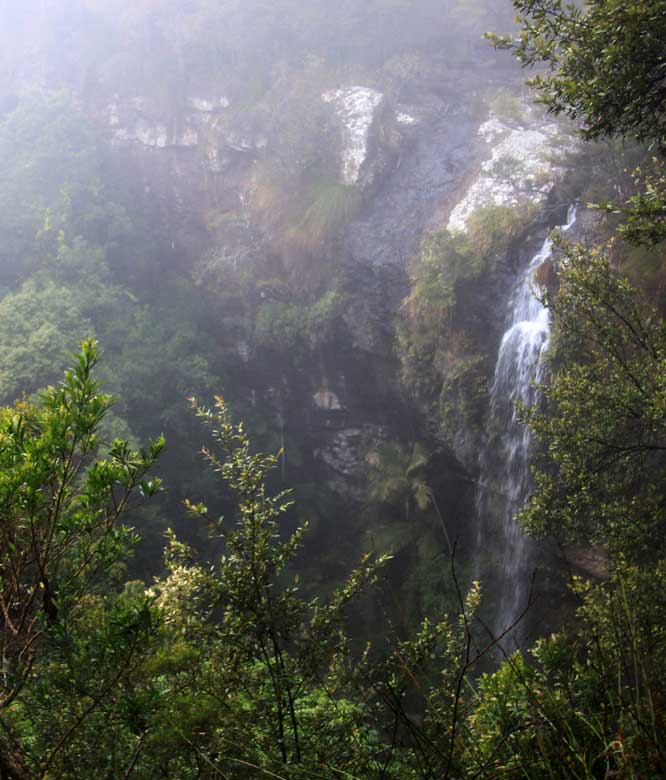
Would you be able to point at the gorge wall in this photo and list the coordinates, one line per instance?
(350, 238)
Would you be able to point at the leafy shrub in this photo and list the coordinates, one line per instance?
(332, 204)
(298, 328)
(438, 338)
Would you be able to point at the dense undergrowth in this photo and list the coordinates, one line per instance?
(224, 669)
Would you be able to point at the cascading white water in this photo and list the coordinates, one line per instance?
(505, 463)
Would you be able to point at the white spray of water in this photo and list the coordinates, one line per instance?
(505, 465)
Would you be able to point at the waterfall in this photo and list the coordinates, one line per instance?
(505, 462)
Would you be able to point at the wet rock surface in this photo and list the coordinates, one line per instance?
(345, 458)
(414, 160)
(428, 174)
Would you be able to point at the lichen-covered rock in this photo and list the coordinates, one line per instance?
(492, 129)
(143, 132)
(134, 121)
(188, 136)
(208, 105)
(156, 136)
(357, 108)
(403, 118)
(326, 400)
(526, 162)
(244, 143)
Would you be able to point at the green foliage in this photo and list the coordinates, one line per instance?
(281, 326)
(38, 325)
(159, 355)
(71, 298)
(83, 268)
(445, 261)
(442, 261)
(397, 474)
(644, 213)
(273, 658)
(492, 230)
(50, 181)
(224, 669)
(439, 339)
(324, 315)
(225, 665)
(398, 477)
(604, 62)
(588, 705)
(331, 206)
(60, 538)
(603, 429)
(463, 392)
(297, 329)
(423, 334)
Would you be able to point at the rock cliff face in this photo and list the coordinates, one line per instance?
(358, 109)
(421, 165)
(528, 158)
(348, 174)
(200, 163)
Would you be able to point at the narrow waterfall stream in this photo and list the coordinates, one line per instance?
(504, 484)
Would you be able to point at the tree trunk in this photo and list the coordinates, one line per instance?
(11, 764)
